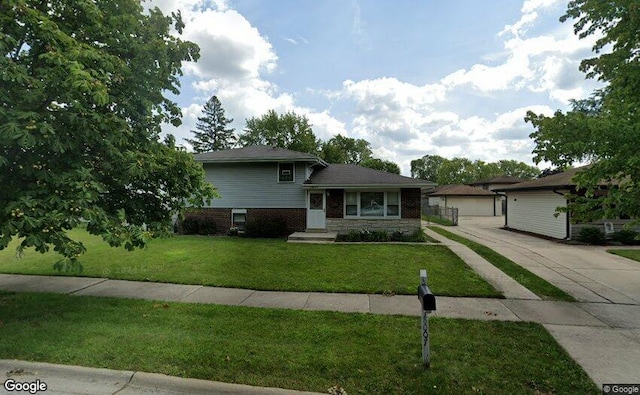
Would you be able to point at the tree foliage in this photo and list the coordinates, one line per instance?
(340, 149)
(603, 130)
(290, 131)
(211, 132)
(383, 165)
(81, 106)
(445, 171)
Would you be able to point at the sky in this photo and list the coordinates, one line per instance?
(452, 78)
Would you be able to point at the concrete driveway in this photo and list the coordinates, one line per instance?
(607, 287)
(589, 273)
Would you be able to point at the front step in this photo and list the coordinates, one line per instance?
(312, 237)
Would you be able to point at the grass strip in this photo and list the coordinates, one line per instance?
(631, 254)
(302, 350)
(268, 264)
(437, 220)
(541, 287)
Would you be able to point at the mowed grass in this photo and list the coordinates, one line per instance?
(541, 287)
(264, 264)
(631, 254)
(302, 350)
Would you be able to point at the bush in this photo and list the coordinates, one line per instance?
(397, 236)
(626, 237)
(418, 236)
(592, 235)
(189, 225)
(206, 226)
(379, 236)
(266, 228)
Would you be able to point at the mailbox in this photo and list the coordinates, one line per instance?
(427, 298)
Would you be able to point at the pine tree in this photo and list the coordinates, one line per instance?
(211, 132)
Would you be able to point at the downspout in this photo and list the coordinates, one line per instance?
(506, 211)
(568, 225)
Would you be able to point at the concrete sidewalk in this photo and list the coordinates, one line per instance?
(67, 380)
(543, 312)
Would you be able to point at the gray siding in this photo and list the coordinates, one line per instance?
(255, 185)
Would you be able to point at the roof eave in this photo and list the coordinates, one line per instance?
(362, 186)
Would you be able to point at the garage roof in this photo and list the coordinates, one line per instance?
(460, 190)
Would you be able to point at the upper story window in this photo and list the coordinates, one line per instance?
(285, 172)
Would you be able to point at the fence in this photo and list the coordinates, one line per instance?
(447, 213)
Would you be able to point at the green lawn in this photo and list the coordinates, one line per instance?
(631, 254)
(541, 287)
(264, 264)
(303, 350)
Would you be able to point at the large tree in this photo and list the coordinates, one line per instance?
(289, 130)
(383, 165)
(81, 105)
(341, 149)
(464, 171)
(604, 130)
(212, 133)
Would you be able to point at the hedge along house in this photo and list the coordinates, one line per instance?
(262, 182)
(532, 207)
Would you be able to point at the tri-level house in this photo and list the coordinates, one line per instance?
(308, 193)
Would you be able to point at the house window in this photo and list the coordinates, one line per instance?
(351, 207)
(372, 204)
(285, 172)
(239, 218)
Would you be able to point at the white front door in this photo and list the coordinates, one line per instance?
(316, 210)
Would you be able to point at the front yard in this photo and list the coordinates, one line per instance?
(303, 350)
(631, 254)
(263, 264)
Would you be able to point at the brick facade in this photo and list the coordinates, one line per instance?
(296, 218)
(410, 201)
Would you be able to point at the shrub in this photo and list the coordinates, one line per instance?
(397, 236)
(189, 225)
(418, 236)
(206, 226)
(626, 237)
(266, 228)
(592, 235)
(353, 236)
(379, 236)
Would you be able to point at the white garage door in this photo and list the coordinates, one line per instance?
(535, 211)
(471, 205)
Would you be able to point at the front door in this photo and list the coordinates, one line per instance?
(316, 211)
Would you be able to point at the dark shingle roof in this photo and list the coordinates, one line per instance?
(255, 153)
(500, 180)
(460, 190)
(560, 180)
(354, 175)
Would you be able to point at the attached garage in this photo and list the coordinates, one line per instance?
(470, 201)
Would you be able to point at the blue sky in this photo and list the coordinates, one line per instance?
(452, 78)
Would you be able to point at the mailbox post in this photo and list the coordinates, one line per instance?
(427, 305)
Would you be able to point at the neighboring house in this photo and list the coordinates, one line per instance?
(493, 183)
(261, 182)
(532, 207)
(470, 201)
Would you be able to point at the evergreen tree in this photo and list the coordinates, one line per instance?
(211, 132)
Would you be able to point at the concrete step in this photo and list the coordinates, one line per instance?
(312, 237)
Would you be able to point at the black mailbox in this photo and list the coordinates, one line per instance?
(427, 298)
